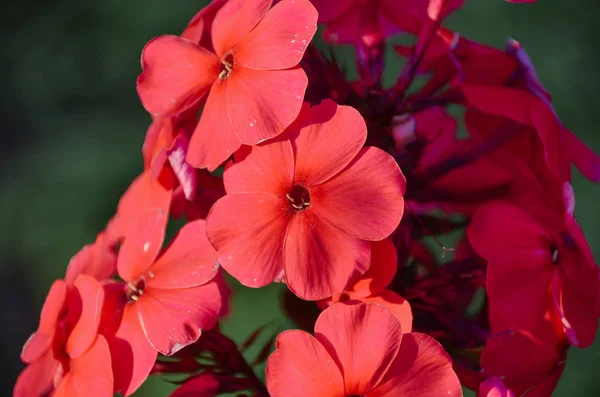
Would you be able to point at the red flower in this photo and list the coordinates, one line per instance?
(370, 287)
(66, 353)
(167, 299)
(359, 349)
(308, 205)
(493, 387)
(254, 85)
(534, 268)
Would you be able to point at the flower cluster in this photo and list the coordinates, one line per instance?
(285, 170)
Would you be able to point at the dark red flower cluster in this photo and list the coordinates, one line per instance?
(287, 171)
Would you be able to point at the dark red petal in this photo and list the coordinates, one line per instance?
(41, 340)
(365, 199)
(276, 45)
(234, 21)
(363, 340)
(91, 373)
(85, 331)
(176, 74)
(268, 168)
(189, 261)
(174, 318)
(319, 258)
(583, 157)
(381, 271)
(214, 139)
(301, 367)
(421, 368)
(320, 153)
(142, 244)
(262, 103)
(248, 231)
(203, 385)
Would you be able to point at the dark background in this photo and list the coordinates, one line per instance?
(72, 128)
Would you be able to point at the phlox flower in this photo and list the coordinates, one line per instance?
(253, 82)
(66, 356)
(307, 204)
(370, 287)
(359, 350)
(167, 298)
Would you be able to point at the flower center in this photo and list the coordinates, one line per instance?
(136, 289)
(299, 197)
(226, 66)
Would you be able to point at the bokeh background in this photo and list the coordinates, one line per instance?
(71, 130)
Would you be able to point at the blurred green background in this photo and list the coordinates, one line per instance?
(72, 129)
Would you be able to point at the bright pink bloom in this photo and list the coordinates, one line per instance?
(307, 206)
(66, 353)
(359, 349)
(534, 268)
(493, 387)
(370, 286)
(254, 85)
(166, 301)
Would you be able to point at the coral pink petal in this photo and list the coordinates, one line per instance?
(37, 379)
(518, 286)
(176, 74)
(214, 139)
(41, 340)
(276, 45)
(493, 387)
(203, 385)
(301, 367)
(381, 271)
(422, 368)
(365, 199)
(97, 260)
(363, 339)
(189, 261)
(142, 244)
(85, 331)
(174, 318)
(320, 152)
(248, 231)
(269, 168)
(91, 373)
(501, 226)
(132, 355)
(262, 103)
(185, 173)
(320, 259)
(234, 21)
(399, 307)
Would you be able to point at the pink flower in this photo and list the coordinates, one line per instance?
(307, 206)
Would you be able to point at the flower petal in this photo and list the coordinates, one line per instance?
(248, 231)
(38, 377)
(91, 373)
(493, 387)
(142, 244)
(320, 259)
(381, 271)
(269, 168)
(42, 339)
(363, 339)
(174, 318)
(399, 307)
(502, 226)
(206, 384)
(301, 367)
(214, 139)
(189, 261)
(365, 199)
(421, 368)
(262, 103)
(320, 153)
(176, 74)
(85, 331)
(98, 260)
(186, 175)
(234, 21)
(275, 45)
